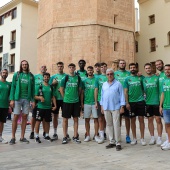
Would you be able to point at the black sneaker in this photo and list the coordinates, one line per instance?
(105, 136)
(12, 141)
(24, 140)
(68, 137)
(55, 137)
(44, 135)
(76, 140)
(118, 147)
(32, 135)
(110, 145)
(65, 140)
(47, 138)
(37, 140)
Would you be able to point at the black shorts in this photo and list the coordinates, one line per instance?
(3, 114)
(59, 105)
(126, 113)
(137, 109)
(34, 112)
(99, 113)
(71, 109)
(43, 114)
(152, 110)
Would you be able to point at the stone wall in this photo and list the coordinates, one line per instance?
(84, 29)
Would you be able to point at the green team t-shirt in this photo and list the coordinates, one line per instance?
(38, 79)
(135, 88)
(166, 91)
(4, 94)
(99, 83)
(71, 89)
(24, 86)
(121, 75)
(47, 94)
(96, 75)
(88, 87)
(82, 74)
(58, 77)
(162, 77)
(151, 89)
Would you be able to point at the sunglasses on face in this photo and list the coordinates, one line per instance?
(109, 74)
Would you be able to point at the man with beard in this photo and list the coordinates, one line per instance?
(88, 103)
(120, 75)
(22, 92)
(151, 89)
(98, 86)
(38, 80)
(4, 101)
(165, 103)
(55, 81)
(160, 67)
(44, 95)
(135, 102)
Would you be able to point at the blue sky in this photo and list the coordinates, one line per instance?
(3, 2)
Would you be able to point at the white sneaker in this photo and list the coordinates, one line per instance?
(101, 140)
(166, 142)
(143, 143)
(87, 139)
(3, 141)
(166, 147)
(96, 138)
(152, 141)
(159, 141)
(133, 142)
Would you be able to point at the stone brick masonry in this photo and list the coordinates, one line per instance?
(70, 30)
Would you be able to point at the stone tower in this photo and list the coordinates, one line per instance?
(93, 30)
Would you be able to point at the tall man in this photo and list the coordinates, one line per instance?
(165, 104)
(55, 81)
(160, 67)
(22, 92)
(82, 72)
(151, 89)
(88, 103)
(70, 89)
(44, 95)
(4, 101)
(112, 107)
(98, 86)
(120, 75)
(38, 80)
(135, 102)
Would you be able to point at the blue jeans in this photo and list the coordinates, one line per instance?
(166, 116)
(23, 104)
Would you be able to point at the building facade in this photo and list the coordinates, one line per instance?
(18, 35)
(154, 36)
(93, 30)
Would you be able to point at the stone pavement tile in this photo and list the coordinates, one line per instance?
(87, 155)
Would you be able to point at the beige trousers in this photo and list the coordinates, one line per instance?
(113, 125)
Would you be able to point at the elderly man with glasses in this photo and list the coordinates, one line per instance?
(112, 105)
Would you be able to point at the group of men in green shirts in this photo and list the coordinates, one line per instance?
(81, 90)
(145, 97)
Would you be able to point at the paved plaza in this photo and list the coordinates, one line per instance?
(91, 156)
